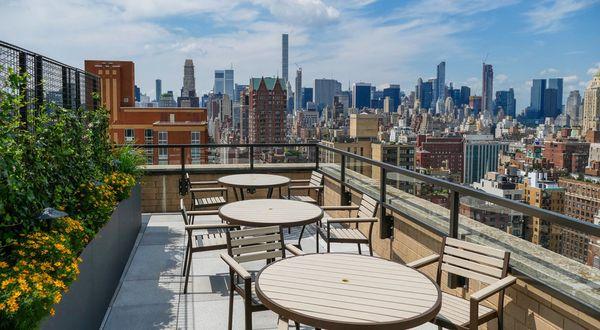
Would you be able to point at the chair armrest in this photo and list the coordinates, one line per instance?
(208, 226)
(424, 261)
(351, 220)
(300, 181)
(208, 189)
(204, 212)
(340, 208)
(235, 266)
(202, 183)
(305, 187)
(294, 250)
(493, 288)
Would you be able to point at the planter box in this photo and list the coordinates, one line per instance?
(104, 258)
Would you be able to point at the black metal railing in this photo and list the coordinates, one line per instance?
(456, 191)
(48, 81)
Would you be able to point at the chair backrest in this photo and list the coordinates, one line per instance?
(183, 211)
(316, 179)
(368, 207)
(473, 261)
(253, 244)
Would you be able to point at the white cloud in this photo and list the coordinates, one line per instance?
(549, 71)
(594, 70)
(301, 11)
(549, 15)
(501, 78)
(570, 79)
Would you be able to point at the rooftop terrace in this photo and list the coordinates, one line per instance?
(552, 291)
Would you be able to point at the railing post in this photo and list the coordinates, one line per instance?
(39, 84)
(343, 180)
(66, 88)
(316, 156)
(77, 90)
(454, 281)
(251, 157)
(385, 227)
(23, 88)
(182, 160)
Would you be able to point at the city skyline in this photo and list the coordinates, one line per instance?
(158, 37)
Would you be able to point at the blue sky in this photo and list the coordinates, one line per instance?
(354, 40)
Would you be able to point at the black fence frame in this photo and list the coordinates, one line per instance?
(49, 81)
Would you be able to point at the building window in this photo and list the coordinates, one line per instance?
(149, 139)
(195, 152)
(129, 135)
(163, 153)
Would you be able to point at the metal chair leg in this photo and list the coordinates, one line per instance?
(359, 252)
(370, 248)
(187, 273)
(231, 283)
(187, 252)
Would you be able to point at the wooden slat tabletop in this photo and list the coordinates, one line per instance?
(254, 180)
(348, 291)
(270, 212)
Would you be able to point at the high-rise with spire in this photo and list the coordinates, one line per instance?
(298, 95)
(487, 90)
(284, 57)
(188, 91)
(440, 88)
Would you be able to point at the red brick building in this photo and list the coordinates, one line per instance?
(438, 152)
(568, 156)
(267, 102)
(130, 124)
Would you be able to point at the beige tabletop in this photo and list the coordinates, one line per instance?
(269, 212)
(254, 180)
(348, 291)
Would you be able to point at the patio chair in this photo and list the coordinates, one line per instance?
(473, 261)
(315, 183)
(212, 238)
(248, 245)
(207, 197)
(366, 212)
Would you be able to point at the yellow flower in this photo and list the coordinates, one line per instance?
(52, 311)
(3, 264)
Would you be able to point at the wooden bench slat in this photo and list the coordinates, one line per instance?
(259, 256)
(473, 266)
(254, 231)
(477, 248)
(468, 273)
(256, 248)
(492, 261)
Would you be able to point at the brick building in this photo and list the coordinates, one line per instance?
(440, 152)
(138, 125)
(266, 99)
(582, 201)
(568, 156)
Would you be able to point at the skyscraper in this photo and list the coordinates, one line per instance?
(480, 156)
(550, 108)
(188, 90)
(237, 90)
(487, 90)
(393, 92)
(440, 88)
(361, 95)
(298, 95)
(506, 101)
(573, 107)
(223, 82)
(557, 83)
(591, 105)
(137, 93)
(465, 93)
(537, 96)
(307, 96)
(425, 93)
(158, 89)
(324, 91)
(284, 57)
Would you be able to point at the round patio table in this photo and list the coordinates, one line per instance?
(271, 212)
(252, 181)
(348, 291)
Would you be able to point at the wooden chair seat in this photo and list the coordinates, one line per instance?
(216, 239)
(307, 199)
(455, 311)
(350, 235)
(209, 201)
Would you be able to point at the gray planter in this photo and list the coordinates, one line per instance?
(104, 258)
